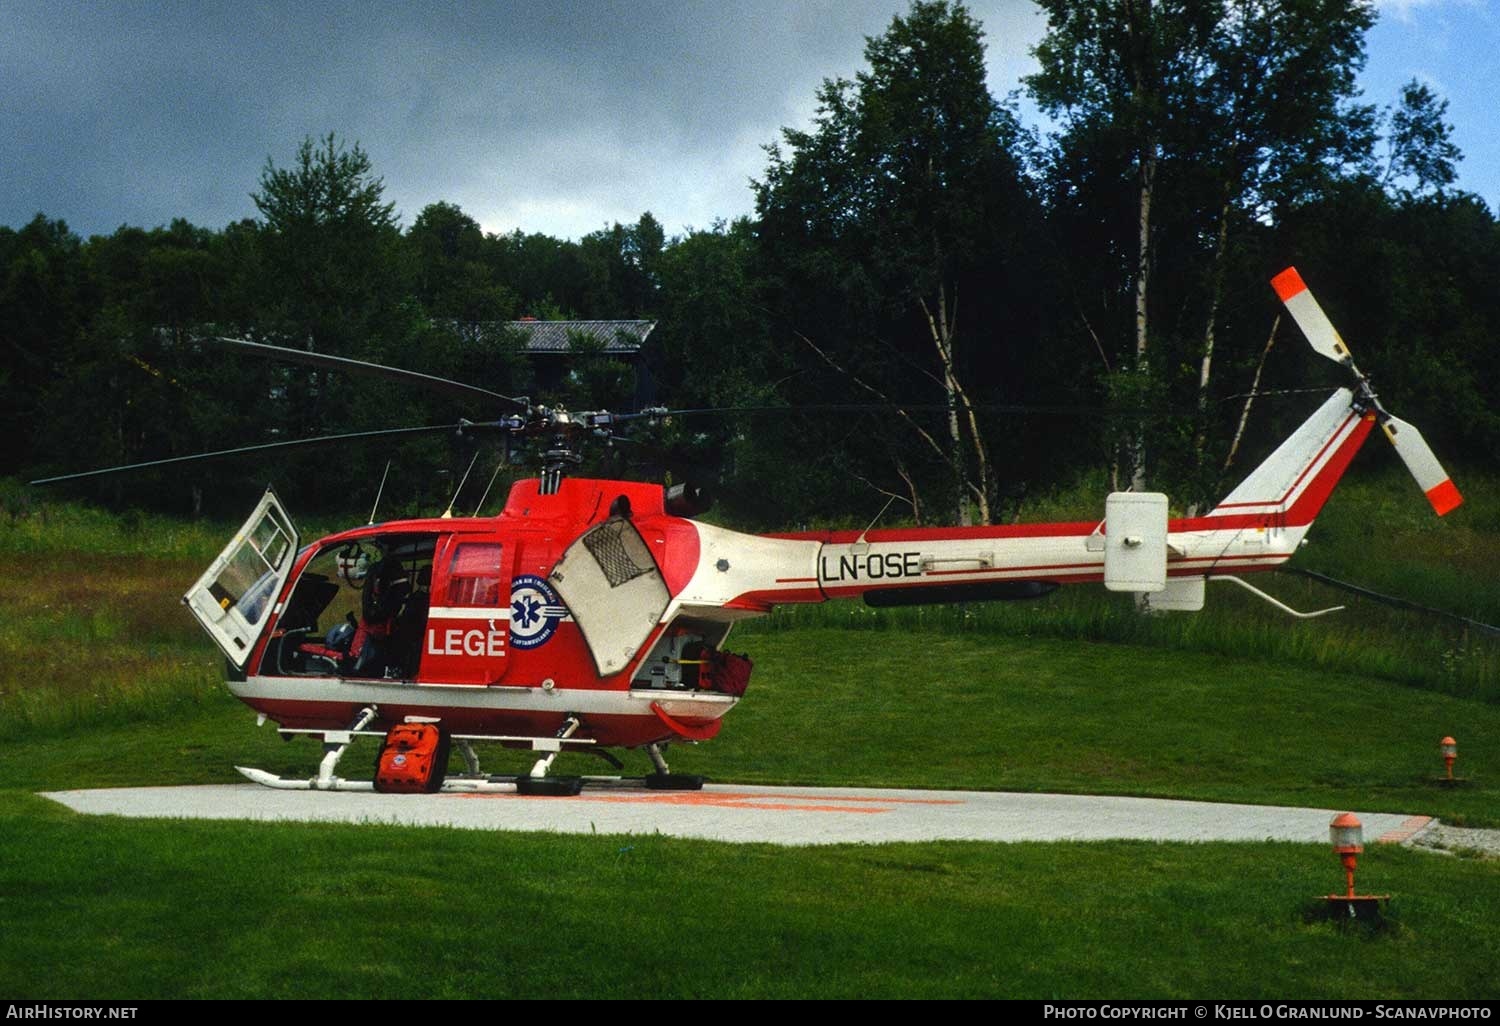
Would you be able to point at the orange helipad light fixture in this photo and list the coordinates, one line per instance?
(1348, 839)
(1450, 752)
(1347, 836)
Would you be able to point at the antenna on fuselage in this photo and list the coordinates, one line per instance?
(448, 513)
(380, 491)
(498, 464)
(860, 541)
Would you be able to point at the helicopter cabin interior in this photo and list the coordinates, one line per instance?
(360, 609)
(380, 607)
(444, 607)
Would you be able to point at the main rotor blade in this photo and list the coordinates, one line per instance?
(888, 407)
(1315, 325)
(222, 453)
(342, 363)
(1424, 466)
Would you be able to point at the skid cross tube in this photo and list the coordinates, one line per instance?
(335, 743)
(543, 764)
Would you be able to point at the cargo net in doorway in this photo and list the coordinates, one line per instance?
(619, 551)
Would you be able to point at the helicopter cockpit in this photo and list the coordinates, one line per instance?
(359, 609)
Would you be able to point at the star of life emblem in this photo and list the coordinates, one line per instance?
(535, 611)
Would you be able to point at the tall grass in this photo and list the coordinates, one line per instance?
(1404, 647)
(134, 692)
(1378, 532)
(89, 637)
(53, 528)
(34, 522)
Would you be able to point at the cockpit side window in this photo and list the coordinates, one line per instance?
(474, 574)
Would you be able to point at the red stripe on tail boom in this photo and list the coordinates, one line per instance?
(1310, 503)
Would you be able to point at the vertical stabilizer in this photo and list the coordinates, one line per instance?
(1295, 480)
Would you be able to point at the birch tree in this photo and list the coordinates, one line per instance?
(1225, 111)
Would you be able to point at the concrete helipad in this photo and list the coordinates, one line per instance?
(776, 815)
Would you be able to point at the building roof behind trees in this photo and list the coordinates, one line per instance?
(618, 338)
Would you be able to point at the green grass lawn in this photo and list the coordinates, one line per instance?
(927, 710)
(141, 909)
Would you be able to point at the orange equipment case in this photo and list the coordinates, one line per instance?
(413, 759)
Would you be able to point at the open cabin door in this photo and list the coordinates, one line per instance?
(234, 597)
(614, 589)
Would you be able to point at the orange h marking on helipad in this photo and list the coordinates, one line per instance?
(1405, 831)
(751, 801)
(761, 802)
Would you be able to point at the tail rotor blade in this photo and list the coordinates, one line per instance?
(1315, 325)
(1424, 466)
(1410, 445)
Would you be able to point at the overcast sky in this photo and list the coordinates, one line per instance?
(557, 117)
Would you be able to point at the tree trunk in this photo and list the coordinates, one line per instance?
(1143, 85)
(911, 488)
(1205, 368)
(943, 337)
(1142, 287)
(956, 453)
(1150, 148)
(1239, 432)
(943, 328)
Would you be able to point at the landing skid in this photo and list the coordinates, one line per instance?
(664, 779)
(672, 782)
(535, 783)
(498, 784)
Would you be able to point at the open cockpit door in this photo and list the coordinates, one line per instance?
(234, 597)
(614, 590)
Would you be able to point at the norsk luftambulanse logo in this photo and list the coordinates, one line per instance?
(535, 611)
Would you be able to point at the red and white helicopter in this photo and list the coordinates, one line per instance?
(593, 614)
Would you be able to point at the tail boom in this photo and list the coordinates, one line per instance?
(1257, 527)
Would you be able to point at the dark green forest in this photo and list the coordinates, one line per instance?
(933, 301)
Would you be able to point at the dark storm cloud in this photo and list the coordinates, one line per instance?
(554, 117)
